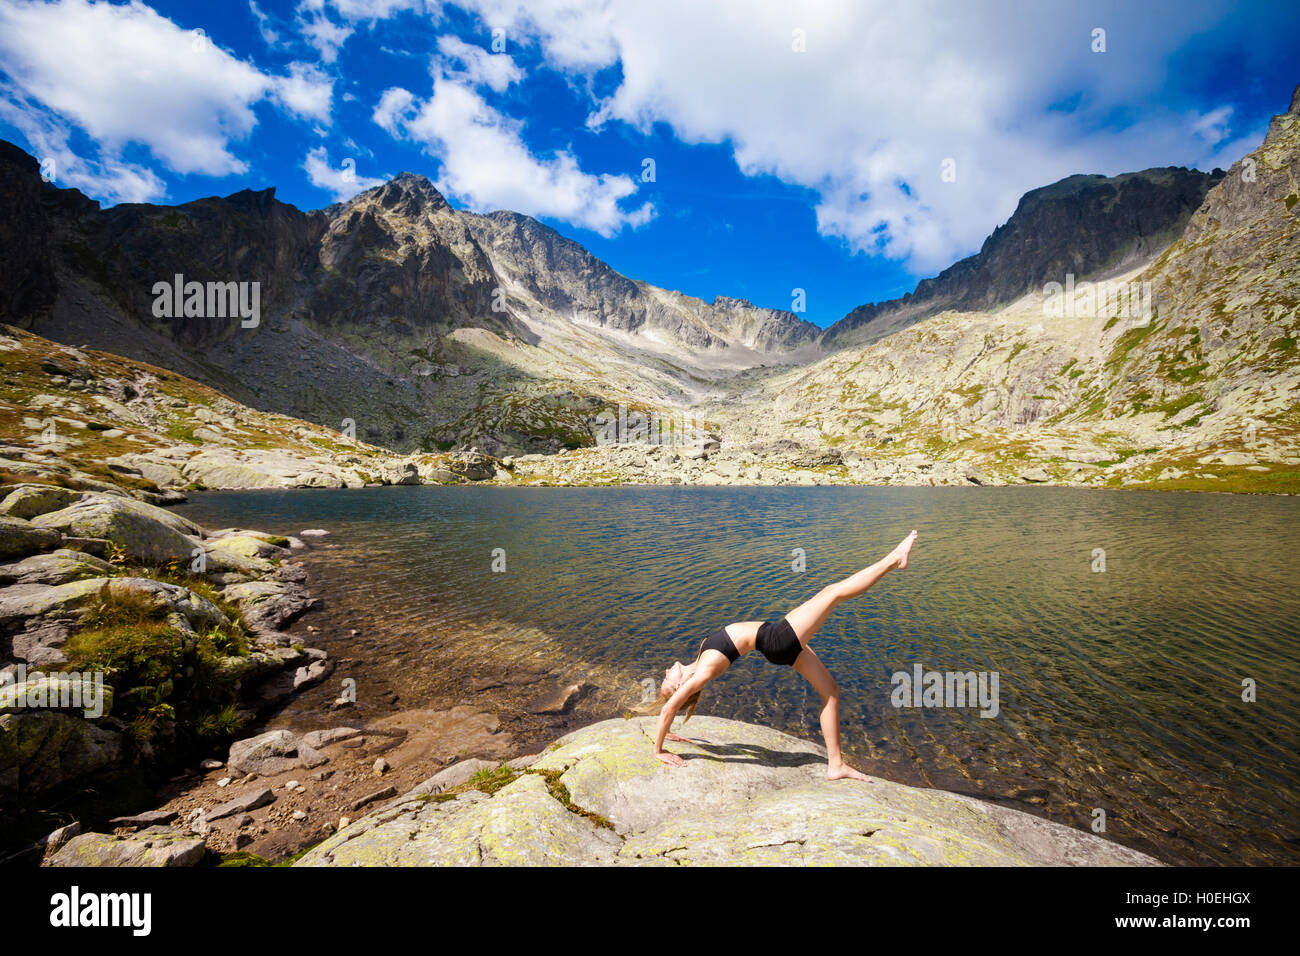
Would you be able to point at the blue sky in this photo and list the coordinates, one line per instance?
(846, 149)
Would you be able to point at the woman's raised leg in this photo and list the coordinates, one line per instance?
(810, 666)
(808, 617)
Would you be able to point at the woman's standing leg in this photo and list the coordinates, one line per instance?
(810, 666)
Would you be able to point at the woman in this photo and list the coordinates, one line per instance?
(783, 642)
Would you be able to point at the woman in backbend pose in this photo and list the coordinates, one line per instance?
(782, 642)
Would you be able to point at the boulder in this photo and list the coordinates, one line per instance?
(63, 692)
(251, 800)
(29, 500)
(244, 553)
(747, 795)
(269, 605)
(147, 819)
(317, 739)
(273, 752)
(155, 846)
(58, 567)
(452, 776)
(40, 749)
(21, 601)
(19, 538)
(179, 603)
(218, 470)
(474, 467)
(141, 530)
(560, 700)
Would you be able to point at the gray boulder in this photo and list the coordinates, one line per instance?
(58, 567)
(156, 846)
(251, 800)
(269, 605)
(273, 752)
(40, 749)
(19, 538)
(141, 530)
(747, 795)
(29, 500)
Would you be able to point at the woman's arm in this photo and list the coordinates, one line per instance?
(669, 711)
(704, 672)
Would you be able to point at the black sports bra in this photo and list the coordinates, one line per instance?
(720, 641)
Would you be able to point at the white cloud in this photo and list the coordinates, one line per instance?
(486, 163)
(394, 108)
(108, 179)
(307, 92)
(124, 75)
(882, 96)
(320, 31)
(327, 24)
(1228, 152)
(342, 182)
(493, 70)
(264, 24)
(1213, 127)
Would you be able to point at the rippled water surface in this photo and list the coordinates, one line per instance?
(1118, 689)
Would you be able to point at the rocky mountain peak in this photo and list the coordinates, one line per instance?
(1079, 225)
(406, 194)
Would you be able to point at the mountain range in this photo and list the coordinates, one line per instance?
(431, 328)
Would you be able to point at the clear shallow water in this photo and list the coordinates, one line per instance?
(1118, 690)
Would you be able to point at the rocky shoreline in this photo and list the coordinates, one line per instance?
(180, 631)
(69, 553)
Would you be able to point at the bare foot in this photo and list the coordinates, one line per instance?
(845, 772)
(900, 553)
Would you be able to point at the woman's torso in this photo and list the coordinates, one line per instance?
(743, 634)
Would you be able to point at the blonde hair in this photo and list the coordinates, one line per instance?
(653, 707)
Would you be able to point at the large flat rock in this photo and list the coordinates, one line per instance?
(747, 795)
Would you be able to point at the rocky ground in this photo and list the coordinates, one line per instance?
(747, 796)
(183, 625)
(229, 604)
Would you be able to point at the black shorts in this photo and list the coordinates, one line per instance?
(778, 642)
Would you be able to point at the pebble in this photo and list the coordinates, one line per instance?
(291, 785)
(381, 767)
(211, 764)
(224, 782)
(299, 815)
(344, 821)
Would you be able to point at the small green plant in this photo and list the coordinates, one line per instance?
(158, 671)
(490, 781)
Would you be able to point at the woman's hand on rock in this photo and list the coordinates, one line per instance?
(679, 738)
(671, 759)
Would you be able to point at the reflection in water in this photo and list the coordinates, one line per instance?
(1119, 689)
